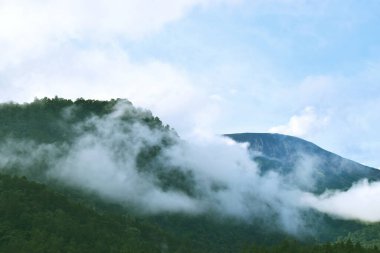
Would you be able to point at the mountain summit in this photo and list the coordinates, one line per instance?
(284, 154)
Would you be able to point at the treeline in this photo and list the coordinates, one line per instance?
(51, 120)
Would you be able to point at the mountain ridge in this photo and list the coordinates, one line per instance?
(285, 136)
(281, 153)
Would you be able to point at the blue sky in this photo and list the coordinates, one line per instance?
(304, 68)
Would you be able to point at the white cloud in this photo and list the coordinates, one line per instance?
(360, 202)
(109, 73)
(344, 112)
(303, 124)
(73, 49)
(29, 28)
(220, 174)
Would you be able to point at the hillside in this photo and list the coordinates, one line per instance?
(135, 180)
(368, 236)
(42, 141)
(284, 154)
(35, 136)
(33, 218)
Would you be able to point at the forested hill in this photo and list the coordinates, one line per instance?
(105, 176)
(284, 154)
(54, 120)
(34, 137)
(110, 157)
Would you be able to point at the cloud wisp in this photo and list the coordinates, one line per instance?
(303, 124)
(360, 202)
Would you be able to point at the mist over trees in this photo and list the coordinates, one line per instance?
(104, 176)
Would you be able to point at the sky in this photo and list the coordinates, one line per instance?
(308, 68)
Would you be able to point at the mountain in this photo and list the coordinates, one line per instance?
(284, 154)
(105, 176)
(86, 150)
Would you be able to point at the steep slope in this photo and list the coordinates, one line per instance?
(284, 154)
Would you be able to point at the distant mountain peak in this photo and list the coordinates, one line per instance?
(284, 154)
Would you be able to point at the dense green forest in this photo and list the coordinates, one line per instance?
(369, 236)
(40, 214)
(296, 247)
(33, 218)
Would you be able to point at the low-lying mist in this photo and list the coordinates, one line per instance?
(360, 202)
(123, 158)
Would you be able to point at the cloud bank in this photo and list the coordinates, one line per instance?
(360, 202)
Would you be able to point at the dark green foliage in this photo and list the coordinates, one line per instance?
(35, 219)
(289, 246)
(213, 233)
(168, 178)
(369, 236)
(60, 121)
(52, 120)
(48, 120)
